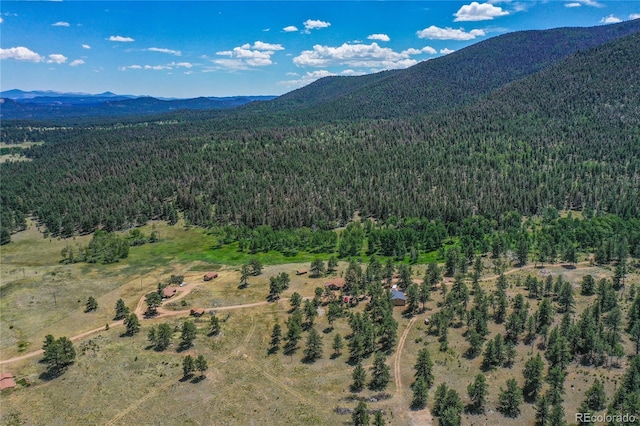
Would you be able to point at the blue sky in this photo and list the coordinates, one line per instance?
(217, 48)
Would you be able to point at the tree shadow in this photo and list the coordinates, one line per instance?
(198, 379)
(183, 346)
(186, 378)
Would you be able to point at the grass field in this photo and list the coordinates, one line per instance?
(121, 381)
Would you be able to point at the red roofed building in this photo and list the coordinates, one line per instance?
(197, 312)
(335, 284)
(6, 381)
(169, 292)
(210, 275)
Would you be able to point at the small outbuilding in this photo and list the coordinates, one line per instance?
(301, 272)
(197, 312)
(7, 381)
(398, 298)
(335, 284)
(168, 292)
(210, 275)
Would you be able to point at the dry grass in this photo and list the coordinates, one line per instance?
(118, 380)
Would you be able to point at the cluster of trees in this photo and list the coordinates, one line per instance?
(58, 353)
(104, 247)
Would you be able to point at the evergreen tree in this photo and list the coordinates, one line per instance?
(360, 416)
(201, 365)
(214, 326)
(424, 367)
(532, 377)
(510, 399)
(588, 286)
(188, 366)
(121, 310)
(359, 377)
(379, 373)
(317, 268)
(91, 305)
(478, 391)
(313, 350)
(296, 300)
(543, 416)
(420, 392)
(595, 397)
(332, 264)
(132, 324)
(378, 419)
(337, 345)
(276, 337)
(188, 334)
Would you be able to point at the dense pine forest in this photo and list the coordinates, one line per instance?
(566, 138)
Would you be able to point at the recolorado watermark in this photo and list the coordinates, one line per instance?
(606, 418)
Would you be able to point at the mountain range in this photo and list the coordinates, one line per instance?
(439, 84)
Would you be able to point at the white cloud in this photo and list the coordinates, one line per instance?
(446, 51)
(20, 53)
(611, 19)
(578, 3)
(359, 56)
(61, 24)
(1, 20)
(86, 46)
(437, 33)
(56, 58)
(76, 62)
(290, 29)
(163, 50)
(634, 16)
(243, 57)
(181, 64)
(259, 45)
(479, 12)
(313, 24)
(121, 39)
(379, 37)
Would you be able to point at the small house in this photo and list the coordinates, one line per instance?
(168, 292)
(210, 275)
(197, 312)
(6, 381)
(301, 272)
(335, 284)
(398, 298)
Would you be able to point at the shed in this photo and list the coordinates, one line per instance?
(301, 271)
(197, 312)
(169, 292)
(335, 284)
(210, 275)
(6, 381)
(398, 298)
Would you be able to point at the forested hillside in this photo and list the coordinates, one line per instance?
(567, 137)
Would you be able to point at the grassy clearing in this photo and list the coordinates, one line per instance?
(118, 380)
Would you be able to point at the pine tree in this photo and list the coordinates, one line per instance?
(188, 334)
(424, 367)
(595, 397)
(188, 366)
(132, 324)
(360, 416)
(337, 345)
(588, 286)
(420, 392)
(378, 419)
(532, 377)
(276, 337)
(359, 377)
(92, 304)
(478, 391)
(543, 416)
(121, 310)
(201, 365)
(313, 350)
(510, 399)
(214, 326)
(379, 373)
